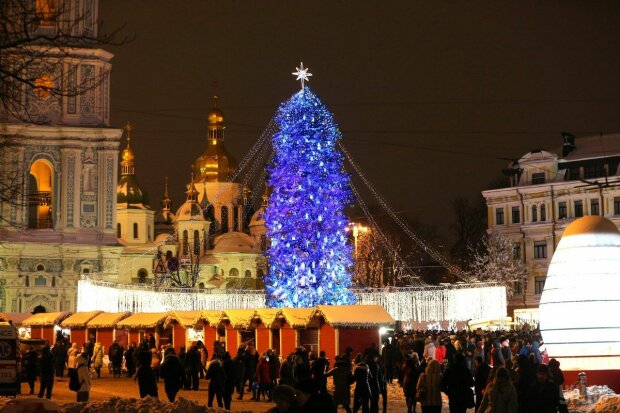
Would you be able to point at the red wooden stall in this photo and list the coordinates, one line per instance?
(239, 328)
(140, 326)
(76, 324)
(263, 322)
(293, 326)
(190, 326)
(103, 326)
(44, 325)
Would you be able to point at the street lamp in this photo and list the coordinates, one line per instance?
(356, 230)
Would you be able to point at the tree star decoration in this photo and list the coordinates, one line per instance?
(302, 74)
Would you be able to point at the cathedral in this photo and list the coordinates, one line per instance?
(63, 218)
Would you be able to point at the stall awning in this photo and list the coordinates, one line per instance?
(143, 320)
(268, 315)
(356, 316)
(298, 317)
(107, 320)
(45, 319)
(79, 320)
(239, 318)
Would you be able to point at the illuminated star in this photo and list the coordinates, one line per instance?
(302, 74)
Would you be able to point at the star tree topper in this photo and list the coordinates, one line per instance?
(302, 74)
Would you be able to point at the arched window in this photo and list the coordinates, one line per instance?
(196, 243)
(235, 218)
(118, 230)
(248, 273)
(135, 230)
(260, 273)
(40, 195)
(185, 243)
(201, 286)
(543, 213)
(40, 267)
(224, 219)
(39, 309)
(142, 275)
(210, 215)
(534, 213)
(233, 272)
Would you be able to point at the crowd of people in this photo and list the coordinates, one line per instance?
(491, 372)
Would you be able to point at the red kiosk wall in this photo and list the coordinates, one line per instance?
(231, 340)
(36, 332)
(210, 336)
(105, 336)
(327, 341)
(262, 338)
(48, 333)
(179, 337)
(288, 339)
(358, 339)
(78, 336)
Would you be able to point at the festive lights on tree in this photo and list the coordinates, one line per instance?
(309, 256)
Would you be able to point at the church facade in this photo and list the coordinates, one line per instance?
(70, 212)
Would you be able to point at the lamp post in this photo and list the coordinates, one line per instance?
(356, 230)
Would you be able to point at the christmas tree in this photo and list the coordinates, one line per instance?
(309, 255)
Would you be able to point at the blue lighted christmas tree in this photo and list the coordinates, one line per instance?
(309, 255)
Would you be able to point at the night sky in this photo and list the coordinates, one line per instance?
(428, 95)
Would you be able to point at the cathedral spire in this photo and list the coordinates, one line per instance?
(166, 201)
(192, 192)
(128, 162)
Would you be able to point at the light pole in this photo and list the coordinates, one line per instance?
(356, 230)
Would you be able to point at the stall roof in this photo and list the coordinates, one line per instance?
(298, 317)
(213, 317)
(143, 320)
(240, 318)
(268, 315)
(107, 320)
(16, 318)
(188, 319)
(79, 319)
(364, 316)
(45, 319)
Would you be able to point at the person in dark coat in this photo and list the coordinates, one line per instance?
(231, 379)
(457, 382)
(59, 351)
(287, 371)
(361, 395)
(116, 358)
(374, 376)
(262, 376)
(410, 380)
(30, 367)
(387, 354)
(146, 380)
(311, 401)
(151, 342)
(543, 394)
(343, 378)
(46, 367)
(172, 372)
(481, 378)
(526, 375)
(240, 364)
(318, 370)
(274, 367)
(130, 364)
(184, 380)
(192, 367)
(217, 380)
(557, 376)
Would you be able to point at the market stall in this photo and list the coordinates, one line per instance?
(103, 328)
(298, 327)
(45, 325)
(140, 326)
(238, 328)
(76, 326)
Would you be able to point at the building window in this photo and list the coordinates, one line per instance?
(40, 281)
(235, 218)
(118, 230)
(142, 275)
(538, 178)
(594, 171)
(72, 89)
(562, 213)
(233, 272)
(40, 267)
(224, 219)
(185, 243)
(543, 213)
(617, 206)
(499, 216)
(540, 249)
(516, 251)
(539, 285)
(574, 173)
(516, 215)
(196, 243)
(517, 288)
(135, 230)
(578, 209)
(594, 209)
(534, 213)
(248, 273)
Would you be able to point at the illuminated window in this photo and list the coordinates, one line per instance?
(499, 216)
(46, 12)
(539, 285)
(540, 249)
(43, 85)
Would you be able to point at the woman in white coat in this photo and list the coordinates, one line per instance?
(72, 355)
(83, 377)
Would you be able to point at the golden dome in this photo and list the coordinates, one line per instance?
(127, 154)
(215, 164)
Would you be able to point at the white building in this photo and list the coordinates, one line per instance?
(547, 191)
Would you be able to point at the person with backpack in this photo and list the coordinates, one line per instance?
(83, 378)
(46, 366)
(172, 372)
(217, 379)
(30, 367)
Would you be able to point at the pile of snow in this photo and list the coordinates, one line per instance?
(10, 405)
(598, 399)
(146, 405)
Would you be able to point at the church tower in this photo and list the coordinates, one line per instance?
(59, 155)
